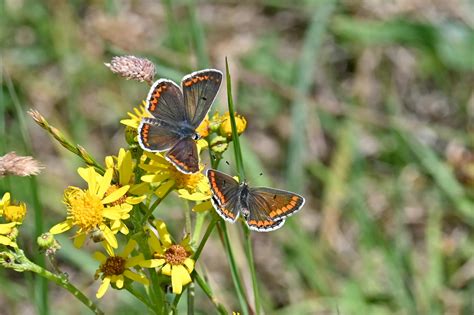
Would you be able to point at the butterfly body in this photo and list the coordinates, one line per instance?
(177, 112)
(264, 209)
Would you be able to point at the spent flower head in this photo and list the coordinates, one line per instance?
(12, 164)
(131, 67)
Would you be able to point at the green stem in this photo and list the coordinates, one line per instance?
(153, 206)
(187, 217)
(22, 263)
(251, 263)
(234, 271)
(198, 37)
(41, 284)
(142, 298)
(208, 232)
(200, 218)
(235, 135)
(240, 169)
(191, 298)
(155, 293)
(207, 290)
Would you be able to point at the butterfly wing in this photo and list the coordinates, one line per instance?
(155, 135)
(165, 102)
(184, 155)
(225, 194)
(268, 207)
(200, 89)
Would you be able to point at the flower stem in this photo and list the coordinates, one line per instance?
(251, 263)
(187, 217)
(200, 218)
(141, 298)
(241, 171)
(208, 232)
(24, 264)
(207, 290)
(191, 298)
(233, 268)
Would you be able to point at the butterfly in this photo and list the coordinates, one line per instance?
(177, 112)
(264, 209)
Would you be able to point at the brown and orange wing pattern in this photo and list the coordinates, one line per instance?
(165, 101)
(225, 194)
(200, 89)
(269, 207)
(156, 136)
(184, 155)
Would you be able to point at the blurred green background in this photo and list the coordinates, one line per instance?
(366, 107)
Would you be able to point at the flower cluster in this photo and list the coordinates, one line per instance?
(116, 206)
(12, 214)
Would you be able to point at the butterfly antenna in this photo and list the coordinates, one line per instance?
(234, 170)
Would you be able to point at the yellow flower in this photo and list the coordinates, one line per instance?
(225, 128)
(102, 206)
(114, 268)
(203, 128)
(160, 172)
(136, 117)
(172, 258)
(124, 168)
(12, 212)
(7, 230)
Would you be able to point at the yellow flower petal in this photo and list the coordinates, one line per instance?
(6, 228)
(90, 176)
(113, 213)
(129, 248)
(104, 183)
(100, 257)
(154, 243)
(109, 236)
(79, 240)
(189, 263)
(116, 195)
(179, 278)
(139, 189)
(61, 227)
(103, 287)
(108, 249)
(5, 200)
(152, 263)
(6, 241)
(119, 281)
(203, 206)
(165, 236)
(155, 178)
(134, 261)
(197, 196)
(135, 200)
(136, 277)
(109, 162)
(125, 166)
(164, 188)
(166, 270)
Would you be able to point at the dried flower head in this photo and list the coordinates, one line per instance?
(12, 164)
(131, 67)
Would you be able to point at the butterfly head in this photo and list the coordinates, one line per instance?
(196, 136)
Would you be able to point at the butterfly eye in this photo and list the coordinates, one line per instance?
(196, 136)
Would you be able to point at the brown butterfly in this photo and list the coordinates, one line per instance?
(264, 209)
